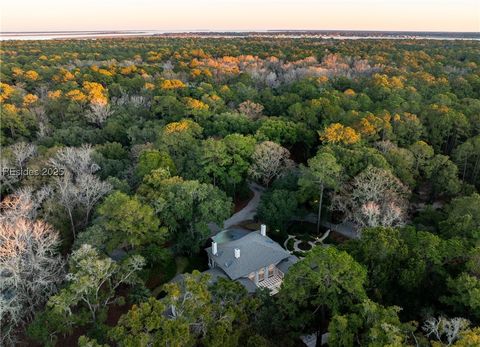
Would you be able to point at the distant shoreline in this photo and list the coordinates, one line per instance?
(321, 34)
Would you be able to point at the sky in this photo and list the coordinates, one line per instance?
(179, 15)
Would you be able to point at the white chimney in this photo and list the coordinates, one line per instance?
(263, 230)
(214, 248)
(237, 253)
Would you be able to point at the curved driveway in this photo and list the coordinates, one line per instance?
(249, 211)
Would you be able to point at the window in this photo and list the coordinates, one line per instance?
(261, 274)
(271, 270)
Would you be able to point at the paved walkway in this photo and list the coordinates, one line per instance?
(249, 211)
(346, 229)
(296, 242)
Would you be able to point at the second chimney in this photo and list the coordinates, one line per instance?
(237, 253)
(214, 248)
(263, 230)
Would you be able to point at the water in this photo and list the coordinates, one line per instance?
(202, 33)
(68, 35)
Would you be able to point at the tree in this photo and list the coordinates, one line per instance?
(445, 329)
(422, 153)
(179, 319)
(112, 159)
(467, 157)
(240, 149)
(463, 217)
(375, 197)
(355, 159)
(7, 181)
(77, 160)
(181, 140)
(338, 133)
(277, 208)
(87, 190)
(75, 183)
(443, 175)
(464, 294)
(146, 324)
(284, 132)
(322, 172)
(22, 152)
(379, 249)
(407, 128)
(91, 287)
(186, 207)
(402, 162)
(370, 324)
(191, 313)
(128, 221)
(67, 196)
(214, 161)
(251, 109)
(31, 268)
(225, 124)
(325, 281)
(169, 106)
(445, 125)
(269, 161)
(150, 160)
(98, 113)
(468, 337)
(419, 259)
(90, 191)
(15, 123)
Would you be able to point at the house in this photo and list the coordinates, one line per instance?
(251, 258)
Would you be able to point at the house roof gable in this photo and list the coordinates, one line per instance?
(256, 251)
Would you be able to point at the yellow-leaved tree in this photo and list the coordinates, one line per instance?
(338, 133)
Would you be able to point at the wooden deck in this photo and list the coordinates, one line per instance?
(272, 283)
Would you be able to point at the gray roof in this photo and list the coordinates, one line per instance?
(256, 251)
(217, 273)
(249, 285)
(285, 264)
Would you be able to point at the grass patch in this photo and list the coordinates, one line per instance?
(290, 244)
(181, 264)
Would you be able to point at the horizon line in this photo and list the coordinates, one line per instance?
(235, 31)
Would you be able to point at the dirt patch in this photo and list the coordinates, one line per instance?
(336, 238)
(304, 246)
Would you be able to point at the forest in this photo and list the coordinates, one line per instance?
(117, 154)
